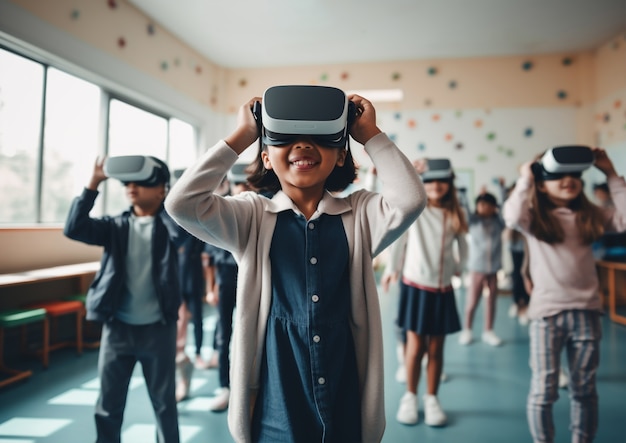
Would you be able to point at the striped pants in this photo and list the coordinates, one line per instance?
(579, 333)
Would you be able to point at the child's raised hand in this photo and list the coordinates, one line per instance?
(364, 126)
(420, 165)
(247, 131)
(98, 175)
(603, 162)
(526, 171)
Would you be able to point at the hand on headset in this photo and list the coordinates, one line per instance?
(247, 130)
(364, 126)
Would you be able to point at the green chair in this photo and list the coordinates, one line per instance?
(22, 317)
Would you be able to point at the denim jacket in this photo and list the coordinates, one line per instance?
(111, 233)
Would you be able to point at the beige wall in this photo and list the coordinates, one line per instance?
(493, 96)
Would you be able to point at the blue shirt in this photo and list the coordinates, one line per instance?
(309, 384)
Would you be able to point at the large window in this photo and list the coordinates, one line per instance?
(71, 136)
(54, 125)
(21, 98)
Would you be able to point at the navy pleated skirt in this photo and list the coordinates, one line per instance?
(427, 312)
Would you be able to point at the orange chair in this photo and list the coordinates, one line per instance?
(22, 317)
(59, 308)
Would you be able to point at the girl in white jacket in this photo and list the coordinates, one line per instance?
(426, 259)
(307, 361)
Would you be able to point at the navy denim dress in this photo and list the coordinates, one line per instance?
(309, 388)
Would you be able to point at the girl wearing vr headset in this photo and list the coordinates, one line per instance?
(425, 260)
(307, 361)
(560, 224)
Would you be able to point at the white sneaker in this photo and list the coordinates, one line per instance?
(401, 374)
(491, 338)
(513, 311)
(466, 337)
(220, 401)
(407, 412)
(563, 379)
(433, 414)
(523, 319)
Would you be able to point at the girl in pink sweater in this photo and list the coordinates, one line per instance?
(560, 224)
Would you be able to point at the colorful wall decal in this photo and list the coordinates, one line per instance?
(112, 4)
(482, 158)
(478, 123)
(491, 136)
(396, 76)
(164, 66)
(527, 65)
(458, 114)
(345, 75)
(421, 147)
(561, 95)
(75, 14)
(606, 117)
(397, 115)
(243, 82)
(411, 123)
(324, 77)
(428, 102)
(436, 117)
(121, 42)
(528, 132)
(459, 146)
(452, 84)
(199, 69)
(432, 71)
(617, 104)
(567, 61)
(151, 30)
(448, 137)
(393, 137)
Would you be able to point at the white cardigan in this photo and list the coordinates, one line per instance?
(244, 225)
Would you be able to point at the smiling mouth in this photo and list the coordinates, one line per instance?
(303, 163)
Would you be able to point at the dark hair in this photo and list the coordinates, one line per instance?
(487, 198)
(266, 180)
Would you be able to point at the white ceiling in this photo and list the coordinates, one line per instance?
(271, 33)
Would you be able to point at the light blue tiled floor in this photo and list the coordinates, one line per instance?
(484, 395)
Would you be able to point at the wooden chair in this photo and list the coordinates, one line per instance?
(22, 317)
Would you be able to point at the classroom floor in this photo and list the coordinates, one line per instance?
(484, 395)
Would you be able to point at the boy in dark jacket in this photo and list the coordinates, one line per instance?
(136, 296)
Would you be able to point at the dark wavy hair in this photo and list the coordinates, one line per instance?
(265, 180)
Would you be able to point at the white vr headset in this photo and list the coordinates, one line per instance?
(324, 113)
(237, 173)
(139, 169)
(437, 169)
(563, 160)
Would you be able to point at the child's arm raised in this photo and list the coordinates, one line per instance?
(192, 203)
(402, 197)
(617, 188)
(516, 208)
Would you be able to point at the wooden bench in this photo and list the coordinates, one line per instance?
(42, 286)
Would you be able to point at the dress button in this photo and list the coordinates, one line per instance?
(321, 380)
(316, 338)
(313, 260)
(311, 226)
(315, 298)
